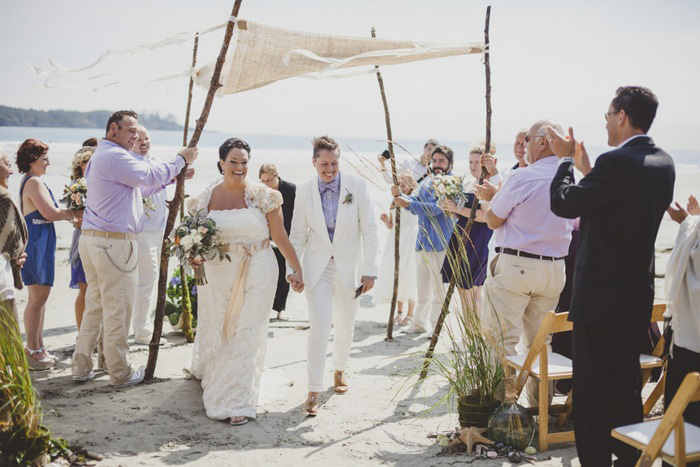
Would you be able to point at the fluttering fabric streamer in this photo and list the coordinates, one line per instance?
(262, 55)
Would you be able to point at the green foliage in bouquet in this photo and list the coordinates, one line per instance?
(174, 297)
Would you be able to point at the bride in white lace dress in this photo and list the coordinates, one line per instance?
(231, 341)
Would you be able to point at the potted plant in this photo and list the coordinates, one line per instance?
(473, 371)
(173, 302)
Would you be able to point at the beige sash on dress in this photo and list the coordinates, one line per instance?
(235, 302)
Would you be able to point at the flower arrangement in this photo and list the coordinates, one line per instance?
(148, 206)
(75, 194)
(173, 294)
(197, 238)
(450, 187)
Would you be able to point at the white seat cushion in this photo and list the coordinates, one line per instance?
(649, 361)
(643, 432)
(558, 365)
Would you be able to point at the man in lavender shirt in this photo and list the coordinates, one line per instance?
(112, 218)
(527, 273)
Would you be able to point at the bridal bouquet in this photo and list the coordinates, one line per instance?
(74, 195)
(450, 187)
(197, 238)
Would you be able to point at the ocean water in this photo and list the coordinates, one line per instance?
(292, 156)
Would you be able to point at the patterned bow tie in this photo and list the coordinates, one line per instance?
(333, 186)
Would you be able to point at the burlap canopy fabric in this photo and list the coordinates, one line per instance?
(261, 55)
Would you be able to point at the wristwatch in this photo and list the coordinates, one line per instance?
(566, 159)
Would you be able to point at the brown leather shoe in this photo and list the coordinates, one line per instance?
(311, 404)
(340, 385)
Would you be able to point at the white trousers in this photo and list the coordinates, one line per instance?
(150, 244)
(329, 304)
(431, 291)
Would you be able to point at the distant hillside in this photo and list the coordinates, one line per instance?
(11, 116)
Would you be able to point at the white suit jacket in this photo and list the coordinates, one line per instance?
(355, 233)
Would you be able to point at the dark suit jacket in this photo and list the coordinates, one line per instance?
(289, 193)
(621, 203)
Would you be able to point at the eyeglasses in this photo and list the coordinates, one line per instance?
(530, 138)
(608, 114)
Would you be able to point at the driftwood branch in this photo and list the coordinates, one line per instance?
(397, 229)
(179, 190)
(186, 315)
(472, 214)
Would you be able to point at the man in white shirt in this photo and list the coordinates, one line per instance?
(527, 273)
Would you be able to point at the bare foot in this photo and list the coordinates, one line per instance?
(239, 420)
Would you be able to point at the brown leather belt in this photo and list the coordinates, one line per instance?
(105, 234)
(525, 254)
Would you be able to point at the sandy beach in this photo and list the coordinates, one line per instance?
(384, 419)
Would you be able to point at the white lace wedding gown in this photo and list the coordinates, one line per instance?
(230, 369)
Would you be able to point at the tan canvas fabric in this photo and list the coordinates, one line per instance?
(260, 55)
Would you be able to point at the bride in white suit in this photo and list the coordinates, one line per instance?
(333, 225)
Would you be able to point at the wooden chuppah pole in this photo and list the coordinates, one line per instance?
(472, 214)
(186, 300)
(179, 189)
(397, 230)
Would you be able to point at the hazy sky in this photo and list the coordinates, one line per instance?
(550, 59)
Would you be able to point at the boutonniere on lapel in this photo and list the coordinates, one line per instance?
(348, 198)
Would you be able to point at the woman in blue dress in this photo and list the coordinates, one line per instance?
(467, 260)
(77, 274)
(39, 209)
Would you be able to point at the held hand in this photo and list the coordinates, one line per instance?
(190, 154)
(488, 161)
(189, 173)
(395, 191)
(693, 206)
(486, 191)
(677, 214)
(563, 146)
(367, 284)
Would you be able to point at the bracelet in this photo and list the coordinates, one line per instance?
(566, 159)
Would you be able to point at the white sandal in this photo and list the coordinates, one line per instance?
(239, 422)
(49, 355)
(44, 363)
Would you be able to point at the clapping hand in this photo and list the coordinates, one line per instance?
(678, 214)
(693, 206)
(567, 146)
(487, 191)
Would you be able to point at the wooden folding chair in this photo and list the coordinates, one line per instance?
(649, 362)
(545, 366)
(670, 437)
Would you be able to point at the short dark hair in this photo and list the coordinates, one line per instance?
(30, 151)
(639, 104)
(117, 118)
(324, 142)
(92, 142)
(445, 151)
(231, 143)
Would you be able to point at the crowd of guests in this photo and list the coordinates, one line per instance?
(540, 241)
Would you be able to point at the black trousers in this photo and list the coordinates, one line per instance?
(684, 361)
(282, 285)
(607, 391)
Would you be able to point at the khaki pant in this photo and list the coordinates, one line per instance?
(431, 291)
(110, 270)
(516, 296)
